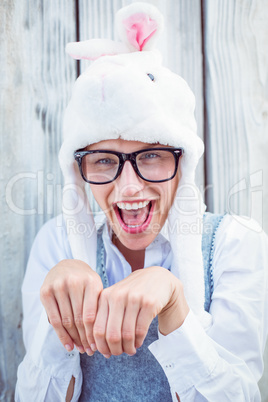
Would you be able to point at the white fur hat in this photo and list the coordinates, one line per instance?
(115, 98)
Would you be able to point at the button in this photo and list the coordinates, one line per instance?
(70, 355)
(151, 76)
(169, 366)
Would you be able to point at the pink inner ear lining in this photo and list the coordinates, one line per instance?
(139, 29)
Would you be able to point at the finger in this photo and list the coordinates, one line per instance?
(129, 326)
(144, 320)
(54, 319)
(114, 326)
(76, 297)
(99, 328)
(90, 306)
(67, 318)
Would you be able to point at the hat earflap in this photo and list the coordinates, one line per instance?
(78, 217)
(185, 227)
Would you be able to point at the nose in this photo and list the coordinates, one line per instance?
(129, 182)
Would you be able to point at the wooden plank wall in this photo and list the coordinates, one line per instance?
(35, 82)
(236, 61)
(36, 79)
(236, 98)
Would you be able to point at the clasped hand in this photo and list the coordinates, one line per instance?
(112, 320)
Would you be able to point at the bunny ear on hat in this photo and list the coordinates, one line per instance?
(137, 26)
(93, 49)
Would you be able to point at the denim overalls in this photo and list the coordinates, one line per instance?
(138, 378)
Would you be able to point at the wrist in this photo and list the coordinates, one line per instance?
(174, 313)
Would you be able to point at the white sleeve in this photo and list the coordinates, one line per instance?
(225, 363)
(47, 368)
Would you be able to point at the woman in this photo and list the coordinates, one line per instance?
(192, 325)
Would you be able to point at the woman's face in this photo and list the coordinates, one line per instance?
(136, 209)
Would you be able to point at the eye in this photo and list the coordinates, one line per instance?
(105, 161)
(149, 155)
(151, 76)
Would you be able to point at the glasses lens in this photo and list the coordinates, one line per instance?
(100, 167)
(156, 165)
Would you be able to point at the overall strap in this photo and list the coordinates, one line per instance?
(211, 223)
(101, 258)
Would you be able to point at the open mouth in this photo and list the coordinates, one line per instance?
(134, 217)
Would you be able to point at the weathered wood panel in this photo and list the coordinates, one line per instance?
(35, 83)
(236, 78)
(236, 48)
(181, 43)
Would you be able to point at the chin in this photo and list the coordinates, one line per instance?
(137, 241)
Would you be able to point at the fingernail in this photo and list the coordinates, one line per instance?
(132, 354)
(89, 352)
(107, 356)
(80, 349)
(93, 347)
(68, 347)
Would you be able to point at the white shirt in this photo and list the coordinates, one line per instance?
(117, 268)
(223, 364)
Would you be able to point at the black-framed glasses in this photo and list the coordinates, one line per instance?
(155, 165)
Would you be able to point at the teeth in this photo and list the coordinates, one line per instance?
(130, 206)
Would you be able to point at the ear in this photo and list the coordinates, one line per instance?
(94, 48)
(139, 25)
